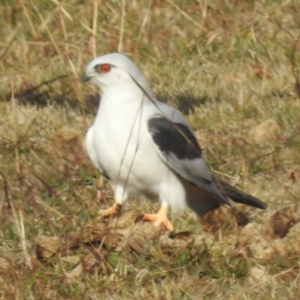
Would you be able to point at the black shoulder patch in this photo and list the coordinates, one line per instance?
(176, 138)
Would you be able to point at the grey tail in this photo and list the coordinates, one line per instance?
(237, 195)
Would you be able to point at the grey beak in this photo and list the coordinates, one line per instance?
(85, 78)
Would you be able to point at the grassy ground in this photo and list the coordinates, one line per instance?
(233, 67)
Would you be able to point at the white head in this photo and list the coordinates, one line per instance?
(115, 71)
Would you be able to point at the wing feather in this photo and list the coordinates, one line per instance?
(178, 147)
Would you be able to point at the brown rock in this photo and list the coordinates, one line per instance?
(283, 220)
(266, 132)
(47, 247)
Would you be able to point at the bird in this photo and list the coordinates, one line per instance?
(148, 149)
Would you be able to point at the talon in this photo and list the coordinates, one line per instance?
(158, 219)
(114, 210)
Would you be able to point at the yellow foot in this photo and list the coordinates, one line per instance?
(158, 219)
(114, 210)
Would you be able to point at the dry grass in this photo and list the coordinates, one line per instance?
(232, 66)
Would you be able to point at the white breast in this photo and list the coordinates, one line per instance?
(90, 149)
(118, 144)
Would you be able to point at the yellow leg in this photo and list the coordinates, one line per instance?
(114, 210)
(160, 218)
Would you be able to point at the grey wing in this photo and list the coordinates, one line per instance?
(176, 144)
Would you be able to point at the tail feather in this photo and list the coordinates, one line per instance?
(239, 196)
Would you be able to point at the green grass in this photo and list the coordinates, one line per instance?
(229, 66)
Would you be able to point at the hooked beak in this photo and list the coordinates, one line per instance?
(85, 78)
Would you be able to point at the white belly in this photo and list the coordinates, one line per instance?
(124, 152)
(126, 158)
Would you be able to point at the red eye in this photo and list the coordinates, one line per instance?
(105, 68)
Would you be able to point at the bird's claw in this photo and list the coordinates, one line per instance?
(157, 219)
(112, 211)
